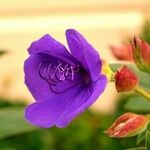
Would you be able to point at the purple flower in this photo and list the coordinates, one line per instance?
(63, 84)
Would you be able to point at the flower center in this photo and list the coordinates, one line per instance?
(58, 74)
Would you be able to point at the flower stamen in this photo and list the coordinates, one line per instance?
(55, 75)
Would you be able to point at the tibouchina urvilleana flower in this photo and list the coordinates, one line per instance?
(63, 83)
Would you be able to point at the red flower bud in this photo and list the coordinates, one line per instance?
(126, 80)
(141, 54)
(122, 52)
(127, 125)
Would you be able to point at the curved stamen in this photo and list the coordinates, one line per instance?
(60, 92)
(43, 76)
(54, 75)
(58, 78)
(70, 74)
(48, 72)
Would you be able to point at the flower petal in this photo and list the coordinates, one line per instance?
(62, 109)
(39, 88)
(47, 44)
(82, 101)
(45, 113)
(84, 52)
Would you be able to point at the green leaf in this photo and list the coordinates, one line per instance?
(141, 136)
(147, 140)
(12, 122)
(8, 149)
(137, 104)
(146, 31)
(144, 78)
(148, 127)
(137, 148)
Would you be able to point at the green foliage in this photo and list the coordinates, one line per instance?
(141, 136)
(145, 33)
(12, 122)
(147, 140)
(137, 148)
(137, 104)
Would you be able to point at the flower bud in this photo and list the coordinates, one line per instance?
(128, 125)
(122, 52)
(141, 54)
(125, 80)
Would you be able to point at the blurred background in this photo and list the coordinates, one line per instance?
(105, 24)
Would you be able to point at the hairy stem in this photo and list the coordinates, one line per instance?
(142, 92)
